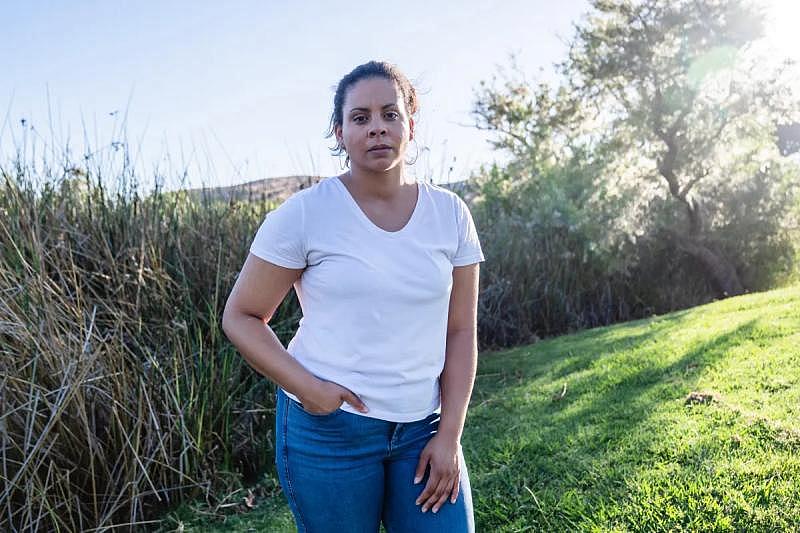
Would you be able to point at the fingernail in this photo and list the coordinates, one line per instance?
(435, 509)
(417, 480)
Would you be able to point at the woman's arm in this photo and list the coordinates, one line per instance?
(456, 380)
(257, 293)
(255, 296)
(461, 354)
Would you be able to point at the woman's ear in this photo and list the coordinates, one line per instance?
(337, 132)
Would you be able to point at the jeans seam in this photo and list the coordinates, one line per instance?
(285, 451)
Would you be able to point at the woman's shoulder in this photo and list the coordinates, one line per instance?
(444, 197)
(438, 192)
(315, 192)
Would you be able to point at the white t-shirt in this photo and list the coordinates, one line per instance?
(375, 303)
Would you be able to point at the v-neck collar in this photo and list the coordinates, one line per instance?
(374, 227)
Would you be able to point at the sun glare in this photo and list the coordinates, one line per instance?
(782, 31)
(782, 35)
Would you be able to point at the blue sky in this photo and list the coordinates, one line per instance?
(243, 90)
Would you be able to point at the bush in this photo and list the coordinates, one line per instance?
(570, 250)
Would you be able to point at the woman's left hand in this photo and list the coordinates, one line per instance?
(442, 453)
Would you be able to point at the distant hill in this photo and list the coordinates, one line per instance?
(278, 189)
(267, 189)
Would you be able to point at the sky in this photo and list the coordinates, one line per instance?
(238, 91)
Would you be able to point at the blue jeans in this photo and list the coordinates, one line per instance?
(347, 473)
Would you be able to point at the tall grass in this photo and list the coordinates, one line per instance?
(118, 394)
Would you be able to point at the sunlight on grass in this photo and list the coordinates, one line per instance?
(594, 431)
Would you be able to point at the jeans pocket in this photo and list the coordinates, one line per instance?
(299, 407)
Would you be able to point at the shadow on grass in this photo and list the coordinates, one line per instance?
(539, 464)
(544, 461)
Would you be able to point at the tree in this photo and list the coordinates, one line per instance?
(674, 81)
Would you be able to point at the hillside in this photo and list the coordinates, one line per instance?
(279, 188)
(688, 421)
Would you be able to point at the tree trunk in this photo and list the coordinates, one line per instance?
(718, 268)
(721, 271)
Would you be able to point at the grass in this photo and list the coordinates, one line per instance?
(596, 432)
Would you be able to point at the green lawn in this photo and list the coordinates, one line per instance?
(623, 449)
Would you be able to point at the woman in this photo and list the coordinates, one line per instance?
(373, 388)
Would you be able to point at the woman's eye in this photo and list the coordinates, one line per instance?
(392, 115)
(358, 119)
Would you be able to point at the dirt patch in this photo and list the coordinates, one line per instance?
(698, 397)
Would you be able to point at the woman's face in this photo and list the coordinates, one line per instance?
(375, 128)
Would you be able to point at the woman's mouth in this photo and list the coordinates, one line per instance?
(382, 149)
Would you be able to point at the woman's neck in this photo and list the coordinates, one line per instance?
(383, 185)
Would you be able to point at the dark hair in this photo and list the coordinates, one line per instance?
(372, 69)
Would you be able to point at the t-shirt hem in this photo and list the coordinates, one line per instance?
(392, 417)
(384, 415)
(470, 259)
(276, 259)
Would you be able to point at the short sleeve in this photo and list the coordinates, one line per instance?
(281, 237)
(469, 247)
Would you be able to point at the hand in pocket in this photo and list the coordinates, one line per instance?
(327, 396)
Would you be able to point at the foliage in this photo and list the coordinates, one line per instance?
(677, 83)
(119, 396)
(658, 150)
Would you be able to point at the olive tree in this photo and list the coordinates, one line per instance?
(677, 83)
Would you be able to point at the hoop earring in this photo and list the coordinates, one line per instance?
(416, 155)
(341, 149)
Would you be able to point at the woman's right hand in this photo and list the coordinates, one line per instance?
(326, 396)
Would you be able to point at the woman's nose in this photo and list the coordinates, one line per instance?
(378, 129)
